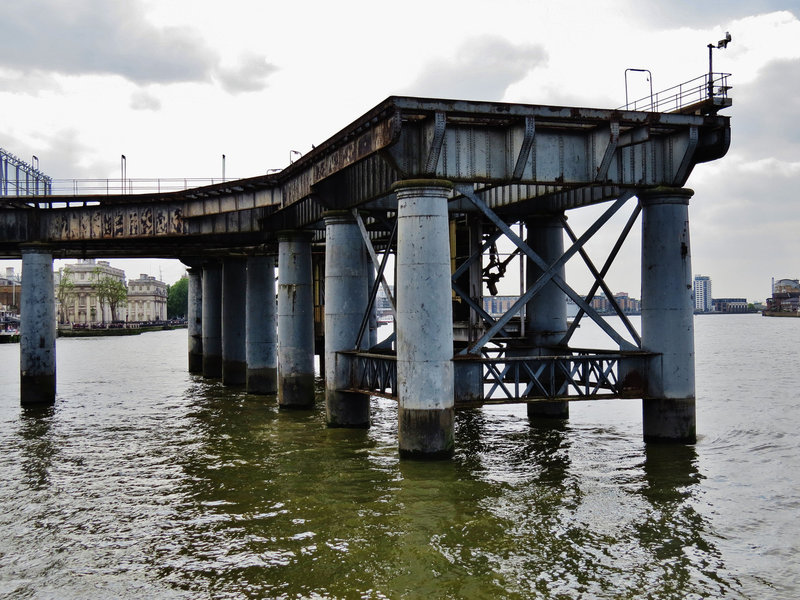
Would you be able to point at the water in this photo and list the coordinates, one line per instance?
(144, 481)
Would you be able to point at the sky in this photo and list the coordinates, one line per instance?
(175, 84)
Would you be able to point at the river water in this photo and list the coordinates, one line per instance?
(145, 481)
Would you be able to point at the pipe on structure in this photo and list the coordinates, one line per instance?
(262, 340)
(424, 320)
(346, 300)
(37, 327)
(212, 320)
(546, 312)
(295, 321)
(668, 316)
(234, 354)
(195, 319)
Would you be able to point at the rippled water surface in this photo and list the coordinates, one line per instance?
(144, 481)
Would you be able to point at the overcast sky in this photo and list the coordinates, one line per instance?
(174, 84)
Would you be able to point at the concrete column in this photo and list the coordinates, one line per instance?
(546, 313)
(667, 316)
(262, 335)
(295, 321)
(194, 320)
(234, 294)
(212, 320)
(346, 299)
(37, 309)
(424, 320)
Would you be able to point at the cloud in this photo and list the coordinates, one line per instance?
(96, 37)
(657, 14)
(482, 69)
(764, 121)
(250, 75)
(141, 100)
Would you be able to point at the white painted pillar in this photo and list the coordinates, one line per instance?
(262, 335)
(295, 321)
(668, 316)
(346, 298)
(424, 320)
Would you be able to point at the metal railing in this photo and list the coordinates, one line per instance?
(108, 187)
(582, 374)
(708, 86)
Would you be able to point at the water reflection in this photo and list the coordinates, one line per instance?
(37, 448)
(677, 536)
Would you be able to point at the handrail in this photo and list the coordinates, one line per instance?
(705, 87)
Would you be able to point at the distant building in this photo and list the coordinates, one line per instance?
(82, 305)
(147, 299)
(785, 296)
(702, 293)
(10, 287)
(730, 305)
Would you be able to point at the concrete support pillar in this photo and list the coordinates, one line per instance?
(194, 320)
(212, 320)
(546, 313)
(262, 336)
(234, 314)
(346, 299)
(295, 321)
(667, 316)
(424, 320)
(37, 328)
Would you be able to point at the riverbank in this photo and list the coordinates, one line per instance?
(117, 331)
(779, 313)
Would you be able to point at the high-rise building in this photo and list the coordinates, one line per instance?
(702, 293)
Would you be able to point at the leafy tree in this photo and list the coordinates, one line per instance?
(178, 298)
(65, 292)
(112, 292)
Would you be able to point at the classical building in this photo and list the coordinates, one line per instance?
(10, 287)
(147, 299)
(80, 303)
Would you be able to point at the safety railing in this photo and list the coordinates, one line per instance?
(710, 86)
(582, 374)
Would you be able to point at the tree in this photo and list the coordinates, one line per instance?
(112, 292)
(65, 292)
(178, 298)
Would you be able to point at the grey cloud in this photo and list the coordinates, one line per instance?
(657, 14)
(764, 113)
(99, 37)
(250, 75)
(483, 69)
(142, 100)
(93, 36)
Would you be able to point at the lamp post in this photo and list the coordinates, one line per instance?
(123, 167)
(223, 168)
(723, 43)
(649, 78)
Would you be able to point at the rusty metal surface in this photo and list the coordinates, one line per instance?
(518, 157)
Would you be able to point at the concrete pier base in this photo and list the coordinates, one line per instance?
(212, 320)
(424, 320)
(546, 313)
(234, 358)
(262, 340)
(346, 299)
(295, 321)
(668, 411)
(37, 328)
(194, 320)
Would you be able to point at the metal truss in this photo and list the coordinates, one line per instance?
(374, 374)
(580, 375)
(549, 272)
